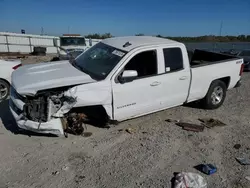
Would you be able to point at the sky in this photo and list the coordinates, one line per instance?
(126, 17)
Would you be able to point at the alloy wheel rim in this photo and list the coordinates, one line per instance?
(3, 91)
(217, 95)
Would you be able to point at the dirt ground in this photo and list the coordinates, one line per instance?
(146, 158)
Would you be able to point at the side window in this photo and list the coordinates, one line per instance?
(145, 63)
(173, 59)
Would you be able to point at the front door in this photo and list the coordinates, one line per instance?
(139, 96)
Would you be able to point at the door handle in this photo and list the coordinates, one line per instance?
(155, 84)
(183, 78)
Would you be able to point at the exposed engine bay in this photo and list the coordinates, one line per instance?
(55, 104)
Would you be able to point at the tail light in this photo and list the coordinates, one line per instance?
(241, 69)
(15, 67)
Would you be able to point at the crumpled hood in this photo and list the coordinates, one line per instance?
(29, 79)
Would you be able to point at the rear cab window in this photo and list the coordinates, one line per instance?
(173, 59)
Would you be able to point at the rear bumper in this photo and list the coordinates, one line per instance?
(53, 126)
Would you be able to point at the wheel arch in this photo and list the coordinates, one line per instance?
(206, 103)
(5, 81)
(95, 113)
(226, 80)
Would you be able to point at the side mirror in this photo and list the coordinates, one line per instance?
(128, 76)
(55, 42)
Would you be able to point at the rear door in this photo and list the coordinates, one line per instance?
(175, 81)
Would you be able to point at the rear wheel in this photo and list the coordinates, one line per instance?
(215, 95)
(4, 90)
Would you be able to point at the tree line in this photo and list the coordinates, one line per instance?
(205, 38)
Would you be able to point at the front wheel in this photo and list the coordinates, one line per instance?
(215, 95)
(4, 90)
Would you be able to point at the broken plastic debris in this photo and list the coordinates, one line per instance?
(130, 130)
(206, 168)
(244, 160)
(172, 120)
(65, 168)
(188, 179)
(55, 173)
(248, 178)
(210, 122)
(191, 127)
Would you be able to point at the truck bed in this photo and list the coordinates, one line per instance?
(202, 58)
(208, 66)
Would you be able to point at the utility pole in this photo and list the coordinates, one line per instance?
(42, 32)
(221, 25)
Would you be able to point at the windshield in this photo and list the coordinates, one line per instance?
(99, 60)
(245, 53)
(76, 41)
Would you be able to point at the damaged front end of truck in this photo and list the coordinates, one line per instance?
(44, 112)
(44, 100)
(48, 105)
(55, 111)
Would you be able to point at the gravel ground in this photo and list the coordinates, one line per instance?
(146, 158)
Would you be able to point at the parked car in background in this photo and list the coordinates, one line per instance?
(74, 44)
(6, 69)
(71, 45)
(119, 79)
(245, 54)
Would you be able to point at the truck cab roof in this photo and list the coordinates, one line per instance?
(130, 42)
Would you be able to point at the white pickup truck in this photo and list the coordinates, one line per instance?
(118, 79)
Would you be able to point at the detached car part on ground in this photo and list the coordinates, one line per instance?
(119, 79)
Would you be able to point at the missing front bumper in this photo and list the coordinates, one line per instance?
(54, 126)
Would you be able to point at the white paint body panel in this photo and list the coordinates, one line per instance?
(150, 94)
(29, 79)
(131, 99)
(203, 76)
(6, 69)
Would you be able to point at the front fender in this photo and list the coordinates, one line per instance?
(99, 93)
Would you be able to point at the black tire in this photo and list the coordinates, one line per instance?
(39, 51)
(55, 59)
(4, 85)
(211, 100)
